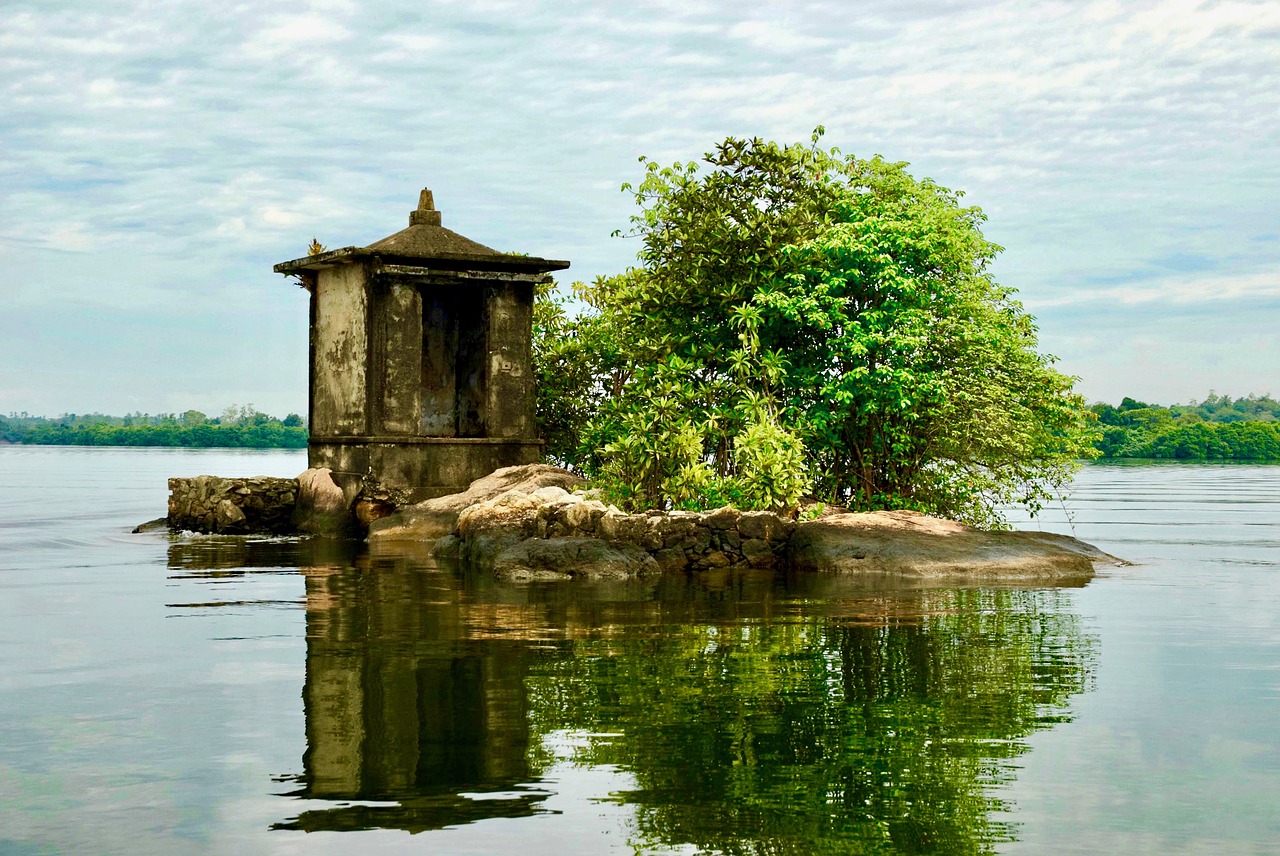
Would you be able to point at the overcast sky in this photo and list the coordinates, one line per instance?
(156, 159)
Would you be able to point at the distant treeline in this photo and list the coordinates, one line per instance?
(1219, 428)
(236, 427)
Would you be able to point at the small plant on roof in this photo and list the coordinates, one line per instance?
(315, 248)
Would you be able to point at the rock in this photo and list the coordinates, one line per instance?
(513, 512)
(376, 501)
(414, 523)
(436, 518)
(553, 494)
(758, 553)
(584, 517)
(524, 523)
(722, 518)
(712, 559)
(322, 507)
(764, 525)
(671, 559)
(567, 558)
(910, 544)
(227, 516)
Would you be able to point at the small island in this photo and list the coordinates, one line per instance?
(536, 522)
(811, 370)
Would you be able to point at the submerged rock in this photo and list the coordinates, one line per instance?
(566, 558)
(908, 543)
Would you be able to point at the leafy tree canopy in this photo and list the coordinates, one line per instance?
(803, 322)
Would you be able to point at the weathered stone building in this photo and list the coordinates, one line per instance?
(421, 373)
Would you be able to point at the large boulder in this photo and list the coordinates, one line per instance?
(911, 544)
(323, 508)
(436, 518)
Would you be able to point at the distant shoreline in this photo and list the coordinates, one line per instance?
(237, 428)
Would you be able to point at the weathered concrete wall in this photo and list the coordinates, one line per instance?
(232, 506)
(510, 393)
(339, 352)
(402, 358)
(425, 467)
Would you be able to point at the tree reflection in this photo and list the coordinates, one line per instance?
(754, 717)
(880, 732)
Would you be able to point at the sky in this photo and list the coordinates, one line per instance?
(157, 159)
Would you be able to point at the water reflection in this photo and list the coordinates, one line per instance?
(815, 735)
(404, 706)
(752, 713)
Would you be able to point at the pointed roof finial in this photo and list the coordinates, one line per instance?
(426, 215)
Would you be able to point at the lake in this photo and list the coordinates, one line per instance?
(210, 695)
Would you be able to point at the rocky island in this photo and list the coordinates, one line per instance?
(539, 522)
(428, 410)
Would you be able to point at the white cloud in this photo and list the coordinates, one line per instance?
(1193, 291)
(304, 36)
(1108, 141)
(772, 35)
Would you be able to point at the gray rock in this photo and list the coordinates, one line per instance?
(227, 516)
(764, 525)
(322, 507)
(722, 518)
(231, 505)
(910, 544)
(436, 518)
(758, 553)
(523, 523)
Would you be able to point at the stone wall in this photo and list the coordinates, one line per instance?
(232, 506)
(551, 532)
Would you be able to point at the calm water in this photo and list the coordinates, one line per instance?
(209, 695)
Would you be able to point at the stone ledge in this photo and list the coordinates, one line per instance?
(232, 506)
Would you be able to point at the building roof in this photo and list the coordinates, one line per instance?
(427, 241)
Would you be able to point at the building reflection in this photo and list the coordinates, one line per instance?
(410, 723)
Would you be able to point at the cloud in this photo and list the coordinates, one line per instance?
(187, 148)
(1200, 291)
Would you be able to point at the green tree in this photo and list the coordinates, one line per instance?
(576, 359)
(815, 322)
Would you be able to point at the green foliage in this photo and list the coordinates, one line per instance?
(805, 321)
(1218, 428)
(878, 735)
(239, 427)
(570, 358)
(771, 470)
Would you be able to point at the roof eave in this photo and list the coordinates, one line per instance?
(452, 261)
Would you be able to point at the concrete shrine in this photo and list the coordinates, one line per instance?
(421, 372)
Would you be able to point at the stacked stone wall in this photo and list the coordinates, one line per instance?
(232, 506)
(489, 532)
